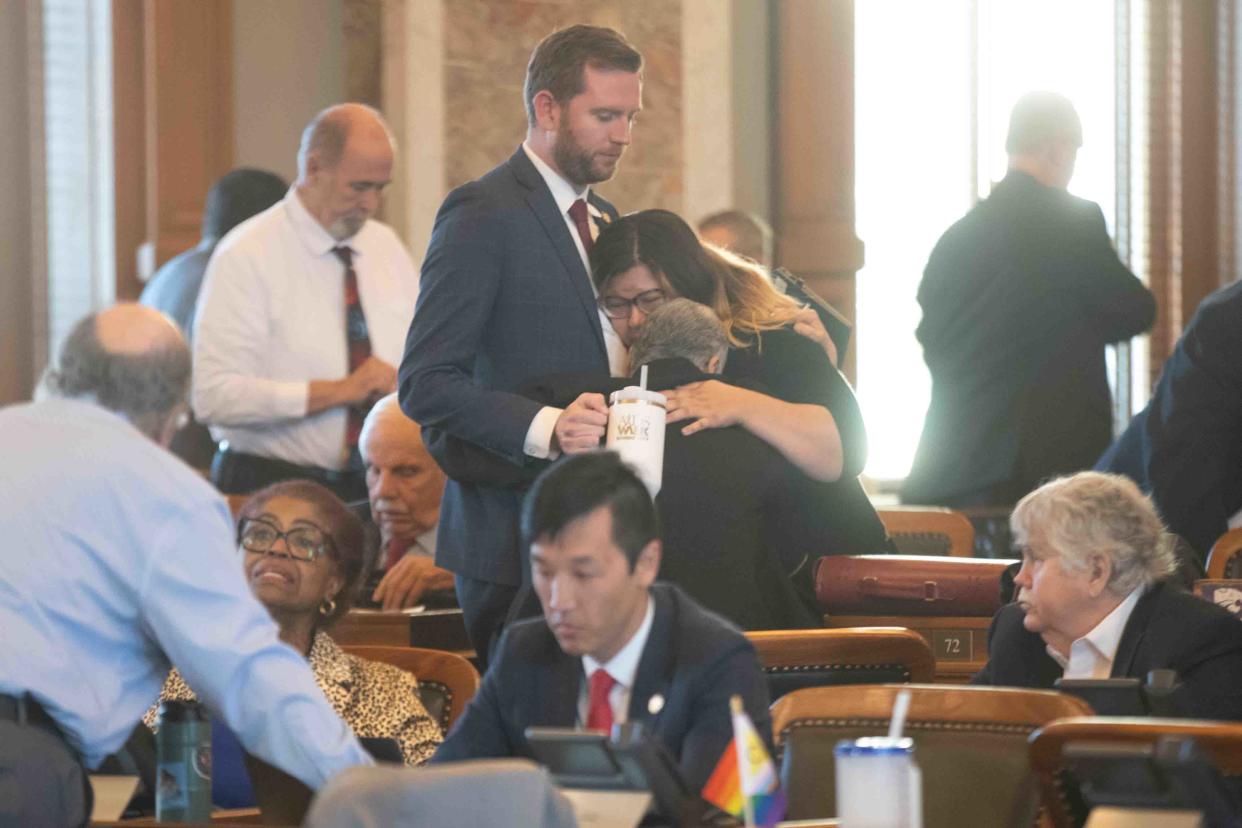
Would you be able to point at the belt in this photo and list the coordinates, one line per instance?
(24, 710)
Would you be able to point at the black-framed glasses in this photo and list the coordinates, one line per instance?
(302, 543)
(619, 308)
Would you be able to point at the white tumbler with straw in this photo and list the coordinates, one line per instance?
(879, 785)
(636, 430)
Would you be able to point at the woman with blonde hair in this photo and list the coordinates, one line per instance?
(808, 414)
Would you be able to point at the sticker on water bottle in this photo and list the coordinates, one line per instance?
(172, 785)
(202, 762)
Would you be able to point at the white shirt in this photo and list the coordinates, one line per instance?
(117, 559)
(539, 434)
(1091, 657)
(623, 667)
(271, 318)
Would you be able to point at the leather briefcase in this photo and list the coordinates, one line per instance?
(908, 585)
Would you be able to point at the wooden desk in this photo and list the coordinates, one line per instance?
(959, 643)
(233, 816)
(441, 629)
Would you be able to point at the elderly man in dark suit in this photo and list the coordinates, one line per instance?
(1185, 447)
(612, 646)
(1019, 299)
(505, 296)
(1094, 601)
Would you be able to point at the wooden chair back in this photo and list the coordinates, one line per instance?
(446, 681)
(1221, 741)
(1224, 560)
(970, 743)
(927, 530)
(797, 659)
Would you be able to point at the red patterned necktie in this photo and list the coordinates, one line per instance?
(358, 342)
(395, 552)
(599, 710)
(578, 212)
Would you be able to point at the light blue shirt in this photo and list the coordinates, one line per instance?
(114, 553)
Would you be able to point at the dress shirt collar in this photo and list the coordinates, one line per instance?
(1104, 637)
(425, 544)
(563, 193)
(623, 666)
(318, 241)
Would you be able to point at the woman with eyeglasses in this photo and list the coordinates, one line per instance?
(809, 415)
(302, 551)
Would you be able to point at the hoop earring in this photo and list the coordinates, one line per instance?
(327, 607)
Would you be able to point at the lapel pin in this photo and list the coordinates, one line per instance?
(655, 704)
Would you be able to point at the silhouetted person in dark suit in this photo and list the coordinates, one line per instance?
(1019, 299)
(235, 197)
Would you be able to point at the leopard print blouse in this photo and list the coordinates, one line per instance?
(376, 700)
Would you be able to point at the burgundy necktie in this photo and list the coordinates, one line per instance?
(395, 552)
(578, 212)
(359, 343)
(599, 710)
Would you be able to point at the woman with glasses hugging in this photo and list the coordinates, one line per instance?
(302, 551)
(809, 414)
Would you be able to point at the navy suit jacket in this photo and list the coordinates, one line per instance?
(503, 297)
(1019, 298)
(694, 660)
(1185, 447)
(1168, 629)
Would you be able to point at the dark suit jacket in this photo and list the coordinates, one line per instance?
(742, 527)
(1168, 629)
(693, 659)
(1019, 298)
(503, 297)
(1185, 447)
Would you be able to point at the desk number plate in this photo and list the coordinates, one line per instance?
(953, 644)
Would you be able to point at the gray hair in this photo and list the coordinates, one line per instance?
(143, 387)
(680, 328)
(1040, 119)
(326, 134)
(1091, 513)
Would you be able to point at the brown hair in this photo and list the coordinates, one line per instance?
(348, 545)
(558, 61)
(735, 288)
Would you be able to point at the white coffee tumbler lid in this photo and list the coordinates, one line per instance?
(632, 393)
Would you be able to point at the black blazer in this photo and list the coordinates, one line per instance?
(1019, 298)
(503, 297)
(694, 660)
(742, 526)
(1185, 447)
(1168, 629)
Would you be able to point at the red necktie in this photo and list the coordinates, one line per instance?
(578, 212)
(359, 343)
(395, 552)
(599, 711)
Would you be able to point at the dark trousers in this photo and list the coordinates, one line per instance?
(42, 781)
(234, 472)
(484, 607)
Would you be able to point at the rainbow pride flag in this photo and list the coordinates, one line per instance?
(744, 782)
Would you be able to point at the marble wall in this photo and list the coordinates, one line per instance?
(487, 44)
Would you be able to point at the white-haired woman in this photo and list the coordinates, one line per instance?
(1094, 601)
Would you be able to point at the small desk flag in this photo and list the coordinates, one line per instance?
(744, 782)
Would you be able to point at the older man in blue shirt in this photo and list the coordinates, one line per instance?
(118, 559)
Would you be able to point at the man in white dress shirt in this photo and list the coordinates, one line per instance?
(303, 316)
(1095, 601)
(119, 559)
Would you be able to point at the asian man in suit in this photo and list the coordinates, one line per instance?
(506, 296)
(612, 646)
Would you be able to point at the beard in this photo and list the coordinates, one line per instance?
(579, 165)
(347, 225)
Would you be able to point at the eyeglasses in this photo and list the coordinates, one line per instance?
(618, 308)
(302, 543)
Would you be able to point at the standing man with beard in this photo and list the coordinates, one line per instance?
(301, 316)
(506, 296)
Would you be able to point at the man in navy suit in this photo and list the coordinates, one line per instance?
(506, 296)
(612, 646)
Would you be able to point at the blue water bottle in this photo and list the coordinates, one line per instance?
(183, 763)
